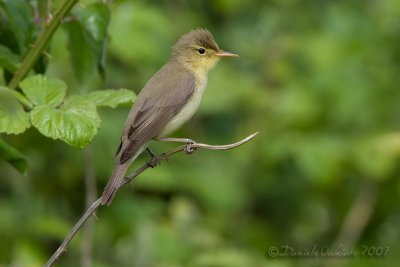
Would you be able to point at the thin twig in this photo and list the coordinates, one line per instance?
(153, 162)
(61, 249)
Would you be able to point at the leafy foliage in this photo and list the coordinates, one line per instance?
(95, 20)
(87, 40)
(13, 118)
(20, 18)
(75, 122)
(43, 91)
(108, 98)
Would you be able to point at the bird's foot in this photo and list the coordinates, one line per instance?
(154, 160)
(151, 152)
(190, 144)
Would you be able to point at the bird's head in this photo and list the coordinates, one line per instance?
(198, 51)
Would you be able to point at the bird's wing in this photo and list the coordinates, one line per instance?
(159, 102)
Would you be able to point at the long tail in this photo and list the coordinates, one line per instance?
(114, 181)
(116, 177)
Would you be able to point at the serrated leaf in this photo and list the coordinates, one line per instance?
(43, 91)
(13, 156)
(95, 20)
(109, 98)
(21, 20)
(75, 122)
(8, 59)
(13, 118)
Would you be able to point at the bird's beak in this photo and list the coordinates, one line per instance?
(222, 53)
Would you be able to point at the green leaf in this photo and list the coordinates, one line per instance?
(109, 98)
(13, 118)
(13, 156)
(41, 90)
(75, 122)
(21, 20)
(21, 98)
(81, 56)
(95, 20)
(8, 59)
(88, 39)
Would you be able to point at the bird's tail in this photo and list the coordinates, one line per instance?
(116, 177)
(114, 181)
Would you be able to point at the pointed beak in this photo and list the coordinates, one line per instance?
(222, 53)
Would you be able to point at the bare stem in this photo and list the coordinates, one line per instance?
(154, 162)
(61, 249)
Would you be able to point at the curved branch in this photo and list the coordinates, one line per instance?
(152, 163)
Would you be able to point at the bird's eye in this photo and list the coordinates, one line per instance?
(201, 50)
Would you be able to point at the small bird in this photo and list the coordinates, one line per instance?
(168, 100)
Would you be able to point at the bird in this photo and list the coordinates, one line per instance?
(167, 101)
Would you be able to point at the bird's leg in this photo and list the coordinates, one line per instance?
(154, 161)
(151, 152)
(190, 148)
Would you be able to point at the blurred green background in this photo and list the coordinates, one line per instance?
(318, 79)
